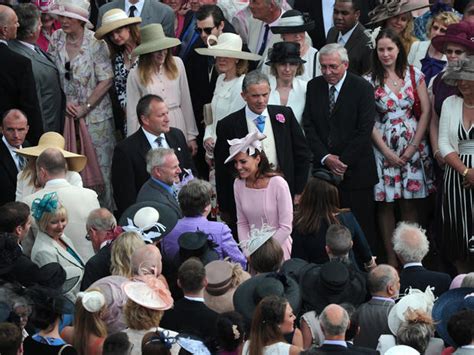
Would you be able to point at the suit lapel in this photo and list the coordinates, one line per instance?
(342, 94)
(65, 254)
(355, 39)
(277, 127)
(169, 197)
(146, 11)
(7, 160)
(144, 145)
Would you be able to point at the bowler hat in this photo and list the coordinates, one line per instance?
(285, 52)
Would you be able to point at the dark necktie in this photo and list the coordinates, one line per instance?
(265, 38)
(133, 8)
(21, 161)
(332, 99)
(159, 141)
(260, 123)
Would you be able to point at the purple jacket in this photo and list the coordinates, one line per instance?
(218, 232)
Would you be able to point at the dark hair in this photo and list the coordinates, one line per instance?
(191, 275)
(210, 10)
(319, 203)
(265, 168)
(338, 239)
(10, 338)
(155, 343)
(194, 197)
(356, 4)
(143, 105)
(378, 71)
(461, 327)
(268, 315)
(9, 247)
(114, 49)
(28, 17)
(116, 344)
(230, 330)
(12, 215)
(43, 316)
(267, 258)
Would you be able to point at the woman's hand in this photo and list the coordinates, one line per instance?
(71, 109)
(82, 111)
(209, 145)
(439, 159)
(468, 181)
(392, 159)
(408, 153)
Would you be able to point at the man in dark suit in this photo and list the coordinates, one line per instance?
(285, 145)
(350, 33)
(14, 128)
(338, 119)
(411, 246)
(384, 286)
(48, 85)
(163, 167)
(17, 83)
(151, 11)
(190, 315)
(129, 159)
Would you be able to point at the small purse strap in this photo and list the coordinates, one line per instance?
(413, 82)
(63, 347)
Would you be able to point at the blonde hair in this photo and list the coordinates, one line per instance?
(47, 217)
(147, 67)
(87, 323)
(406, 36)
(121, 254)
(141, 318)
(445, 18)
(242, 67)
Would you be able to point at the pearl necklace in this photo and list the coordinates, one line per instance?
(468, 106)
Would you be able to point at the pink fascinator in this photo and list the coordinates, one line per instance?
(248, 144)
(149, 292)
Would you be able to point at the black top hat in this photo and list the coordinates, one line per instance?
(252, 291)
(196, 244)
(293, 21)
(285, 52)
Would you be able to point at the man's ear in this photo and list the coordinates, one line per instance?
(18, 229)
(204, 282)
(221, 26)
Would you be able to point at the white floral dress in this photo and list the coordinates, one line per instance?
(397, 124)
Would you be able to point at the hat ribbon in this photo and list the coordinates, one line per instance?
(387, 8)
(243, 144)
(157, 287)
(48, 203)
(116, 17)
(372, 35)
(149, 236)
(257, 236)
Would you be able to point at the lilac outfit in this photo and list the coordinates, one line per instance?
(218, 232)
(272, 205)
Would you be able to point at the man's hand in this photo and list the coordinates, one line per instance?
(193, 147)
(335, 165)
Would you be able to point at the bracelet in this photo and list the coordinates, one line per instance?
(413, 144)
(88, 106)
(437, 151)
(464, 173)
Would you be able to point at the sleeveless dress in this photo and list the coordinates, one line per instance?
(397, 124)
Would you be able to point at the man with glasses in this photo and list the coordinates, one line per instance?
(338, 119)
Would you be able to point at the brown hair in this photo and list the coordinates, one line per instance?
(242, 67)
(141, 318)
(267, 258)
(265, 168)
(114, 49)
(274, 72)
(147, 67)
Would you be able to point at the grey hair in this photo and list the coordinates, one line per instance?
(194, 197)
(28, 17)
(468, 280)
(253, 78)
(101, 219)
(156, 157)
(380, 277)
(335, 48)
(416, 334)
(410, 242)
(330, 329)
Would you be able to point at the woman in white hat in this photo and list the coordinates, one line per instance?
(86, 76)
(159, 72)
(122, 35)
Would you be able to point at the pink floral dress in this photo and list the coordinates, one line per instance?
(397, 124)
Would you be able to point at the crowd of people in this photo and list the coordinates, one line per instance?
(246, 177)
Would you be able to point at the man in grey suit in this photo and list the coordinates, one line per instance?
(151, 11)
(48, 85)
(384, 286)
(350, 33)
(163, 166)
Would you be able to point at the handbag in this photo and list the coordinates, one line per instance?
(417, 104)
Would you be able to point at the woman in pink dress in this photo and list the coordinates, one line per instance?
(261, 194)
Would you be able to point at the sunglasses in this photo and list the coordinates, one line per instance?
(454, 51)
(68, 73)
(207, 30)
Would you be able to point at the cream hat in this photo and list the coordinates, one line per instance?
(226, 45)
(113, 19)
(154, 39)
(78, 9)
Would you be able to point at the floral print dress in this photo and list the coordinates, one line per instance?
(397, 125)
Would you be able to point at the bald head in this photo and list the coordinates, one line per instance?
(50, 165)
(14, 127)
(8, 23)
(334, 322)
(146, 260)
(383, 281)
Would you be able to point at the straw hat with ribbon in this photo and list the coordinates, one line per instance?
(113, 19)
(154, 39)
(75, 162)
(390, 8)
(459, 70)
(249, 144)
(226, 45)
(77, 9)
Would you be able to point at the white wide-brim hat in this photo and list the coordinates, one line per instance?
(113, 19)
(226, 45)
(77, 9)
(154, 39)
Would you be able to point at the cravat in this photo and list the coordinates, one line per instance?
(133, 8)
(265, 38)
(159, 141)
(260, 123)
(332, 99)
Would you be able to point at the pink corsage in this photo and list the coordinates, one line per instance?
(280, 118)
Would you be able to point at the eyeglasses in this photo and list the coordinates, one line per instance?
(331, 67)
(207, 30)
(68, 74)
(88, 237)
(454, 51)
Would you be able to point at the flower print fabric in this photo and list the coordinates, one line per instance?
(397, 124)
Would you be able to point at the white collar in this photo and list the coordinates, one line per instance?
(196, 299)
(252, 115)
(338, 86)
(3, 41)
(345, 37)
(335, 342)
(380, 298)
(10, 147)
(138, 5)
(29, 45)
(412, 264)
(151, 137)
(471, 346)
(53, 182)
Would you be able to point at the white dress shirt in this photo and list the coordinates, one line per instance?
(152, 140)
(138, 5)
(328, 8)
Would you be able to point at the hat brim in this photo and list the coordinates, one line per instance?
(75, 162)
(72, 15)
(227, 53)
(156, 45)
(137, 291)
(406, 8)
(293, 29)
(451, 78)
(109, 27)
(439, 42)
(289, 60)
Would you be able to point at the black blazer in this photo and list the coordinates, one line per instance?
(97, 267)
(151, 191)
(419, 277)
(18, 90)
(292, 152)
(8, 174)
(337, 349)
(129, 164)
(357, 49)
(347, 132)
